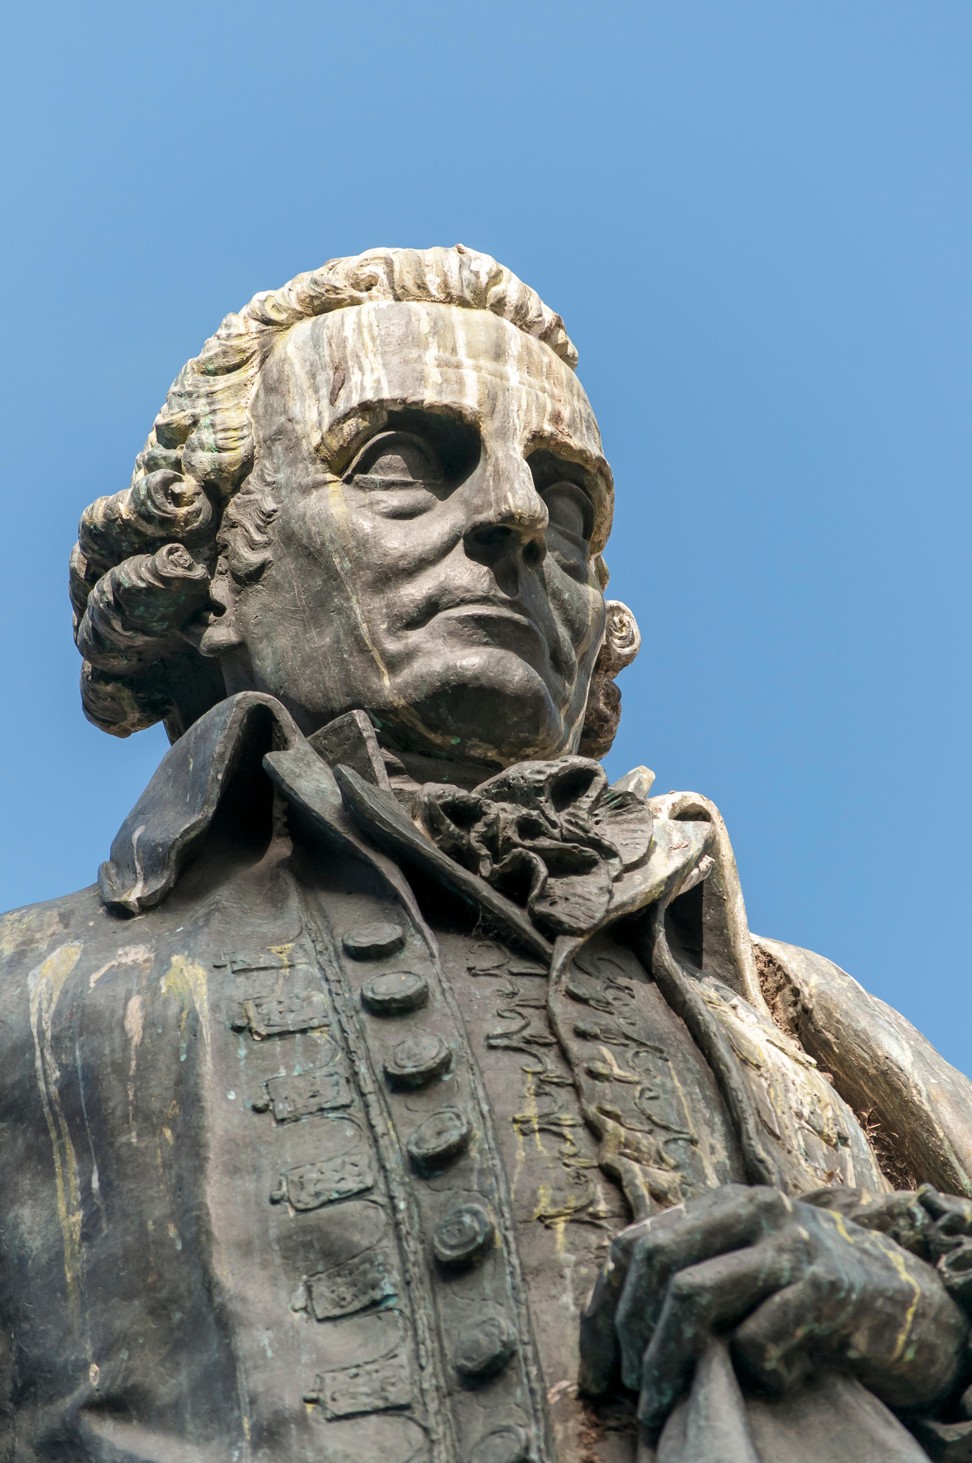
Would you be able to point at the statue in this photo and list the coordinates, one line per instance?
(402, 1090)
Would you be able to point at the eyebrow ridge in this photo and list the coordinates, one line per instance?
(562, 445)
(343, 436)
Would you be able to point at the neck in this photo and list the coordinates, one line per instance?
(353, 739)
(417, 767)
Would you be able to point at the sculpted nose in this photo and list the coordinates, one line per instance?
(508, 522)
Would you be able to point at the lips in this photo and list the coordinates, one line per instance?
(475, 605)
(499, 625)
(491, 610)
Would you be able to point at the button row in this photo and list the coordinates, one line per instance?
(462, 1237)
(438, 1140)
(395, 993)
(374, 941)
(502, 1445)
(418, 1060)
(484, 1349)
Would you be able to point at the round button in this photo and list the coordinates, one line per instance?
(484, 1349)
(372, 941)
(502, 1445)
(463, 1236)
(440, 1139)
(417, 1060)
(394, 992)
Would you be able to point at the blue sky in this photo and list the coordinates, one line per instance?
(755, 217)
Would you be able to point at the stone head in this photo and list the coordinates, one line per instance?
(381, 487)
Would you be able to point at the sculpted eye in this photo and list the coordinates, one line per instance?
(396, 459)
(571, 511)
(567, 489)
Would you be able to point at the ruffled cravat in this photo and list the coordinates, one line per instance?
(553, 837)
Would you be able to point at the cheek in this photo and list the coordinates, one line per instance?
(580, 614)
(327, 558)
(313, 527)
(351, 573)
(368, 544)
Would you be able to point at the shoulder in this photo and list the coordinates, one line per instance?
(45, 946)
(881, 1064)
(32, 933)
(809, 991)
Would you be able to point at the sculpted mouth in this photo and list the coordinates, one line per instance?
(493, 612)
(508, 624)
(499, 623)
(480, 608)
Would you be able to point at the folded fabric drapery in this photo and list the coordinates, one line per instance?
(552, 836)
(830, 1416)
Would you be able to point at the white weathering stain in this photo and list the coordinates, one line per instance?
(44, 986)
(127, 955)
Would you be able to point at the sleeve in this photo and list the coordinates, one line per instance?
(918, 1107)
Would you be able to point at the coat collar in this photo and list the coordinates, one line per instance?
(351, 802)
(175, 812)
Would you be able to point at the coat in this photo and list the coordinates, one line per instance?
(313, 1144)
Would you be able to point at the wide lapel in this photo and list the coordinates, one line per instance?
(176, 810)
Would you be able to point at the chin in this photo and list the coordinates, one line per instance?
(489, 707)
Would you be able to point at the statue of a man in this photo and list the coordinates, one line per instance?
(402, 1091)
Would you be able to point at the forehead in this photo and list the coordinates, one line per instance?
(335, 370)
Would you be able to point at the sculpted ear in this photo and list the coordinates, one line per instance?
(622, 641)
(216, 631)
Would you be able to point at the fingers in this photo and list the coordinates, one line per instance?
(718, 1292)
(773, 1346)
(724, 1221)
(600, 1351)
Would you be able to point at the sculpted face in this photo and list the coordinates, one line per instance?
(441, 492)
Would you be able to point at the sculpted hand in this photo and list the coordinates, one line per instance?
(792, 1286)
